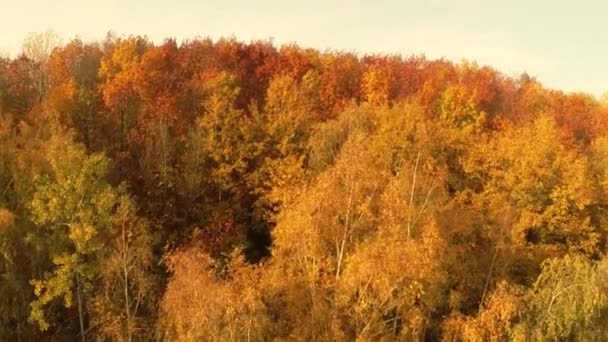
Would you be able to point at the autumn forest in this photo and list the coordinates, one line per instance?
(221, 190)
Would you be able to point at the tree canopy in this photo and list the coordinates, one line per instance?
(228, 190)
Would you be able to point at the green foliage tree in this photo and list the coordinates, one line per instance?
(72, 205)
(565, 302)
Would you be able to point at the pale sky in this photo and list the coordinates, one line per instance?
(561, 42)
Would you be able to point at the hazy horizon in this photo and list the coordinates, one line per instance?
(555, 44)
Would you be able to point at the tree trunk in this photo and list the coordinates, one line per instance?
(126, 281)
(80, 311)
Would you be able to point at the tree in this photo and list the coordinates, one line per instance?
(73, 205)
(21, 255)
(458, 108)
(376, 86)
(73, 96)
(317, 233)
(37, 47)
(205, 301)
(494, 322)
(13, 272)
(339, 80)
(117, 71)
(19, 90)
(564, 302)
(547, 184)
(397, 300)
(218, 154)
(290, 110)
(127, 278)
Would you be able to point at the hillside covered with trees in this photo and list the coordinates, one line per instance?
(231, 191)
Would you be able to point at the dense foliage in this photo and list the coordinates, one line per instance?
(241, 191)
